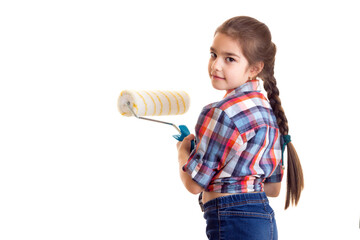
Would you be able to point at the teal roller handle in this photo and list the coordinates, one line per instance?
(184, 133)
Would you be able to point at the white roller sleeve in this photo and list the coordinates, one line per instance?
(153, 103)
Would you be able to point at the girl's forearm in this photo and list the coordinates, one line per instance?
(189, 184)
(183, 156)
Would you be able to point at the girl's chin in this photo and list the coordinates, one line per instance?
(219, 86)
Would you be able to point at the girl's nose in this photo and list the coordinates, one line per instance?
(217, 66)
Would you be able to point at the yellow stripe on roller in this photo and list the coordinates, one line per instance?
(135, 106)
(168, 100)
(186, 94)
(143, 101)
(177, 102)
(161, 105)
(152, 101)
(182, 99)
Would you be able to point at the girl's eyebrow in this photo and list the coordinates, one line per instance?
(225, 53)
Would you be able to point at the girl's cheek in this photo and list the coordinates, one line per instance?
(209, 66)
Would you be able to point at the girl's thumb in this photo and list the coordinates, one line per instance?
(189, 137)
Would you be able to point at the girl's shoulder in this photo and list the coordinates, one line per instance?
(242, 101)
(246, 110)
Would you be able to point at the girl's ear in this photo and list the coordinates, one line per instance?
(256, 68)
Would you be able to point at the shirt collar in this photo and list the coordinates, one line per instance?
(249, 86)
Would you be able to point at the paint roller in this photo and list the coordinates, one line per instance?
(156, 103)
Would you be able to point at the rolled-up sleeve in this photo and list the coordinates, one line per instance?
(276, 176)
(216, 137)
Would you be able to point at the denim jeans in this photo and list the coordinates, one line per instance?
(242, 216)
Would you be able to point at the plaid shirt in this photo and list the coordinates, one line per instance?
(238, 143)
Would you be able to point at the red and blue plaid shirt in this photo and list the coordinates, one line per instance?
(238, 143)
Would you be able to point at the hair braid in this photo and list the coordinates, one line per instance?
(295, 181)
(274, 99)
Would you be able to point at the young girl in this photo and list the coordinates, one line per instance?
(240, 140)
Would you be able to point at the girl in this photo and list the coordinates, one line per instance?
(237, 161)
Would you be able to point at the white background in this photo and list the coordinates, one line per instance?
(71, 167)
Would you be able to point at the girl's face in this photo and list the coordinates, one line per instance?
(228, 68)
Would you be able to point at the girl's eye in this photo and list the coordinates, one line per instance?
(230, 59)
(213, 55)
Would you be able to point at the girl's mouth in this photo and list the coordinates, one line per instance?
(217, 77)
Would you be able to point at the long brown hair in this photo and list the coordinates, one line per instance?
(257, 46)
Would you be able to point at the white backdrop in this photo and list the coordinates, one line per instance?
(71, 167)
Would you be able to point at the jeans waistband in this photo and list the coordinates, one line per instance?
(233, 200)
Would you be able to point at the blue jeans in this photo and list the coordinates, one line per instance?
(241, 216)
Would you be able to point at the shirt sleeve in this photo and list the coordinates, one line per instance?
(276, 176)
(216, 137)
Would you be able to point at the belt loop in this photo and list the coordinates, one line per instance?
(201, 202)
(217, 203)
(264, 199)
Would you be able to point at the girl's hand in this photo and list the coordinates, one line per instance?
(184, 149)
